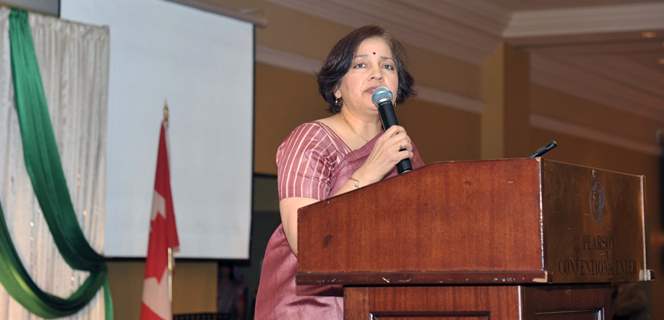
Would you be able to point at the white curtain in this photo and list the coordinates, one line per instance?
(74, 61)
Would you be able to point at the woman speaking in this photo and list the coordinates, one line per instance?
(320, 159)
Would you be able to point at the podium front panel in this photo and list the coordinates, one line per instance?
(479, 222)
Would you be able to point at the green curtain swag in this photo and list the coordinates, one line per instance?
(18, 283)
(44, 168)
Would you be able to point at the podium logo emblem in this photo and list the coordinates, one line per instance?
(597, 198)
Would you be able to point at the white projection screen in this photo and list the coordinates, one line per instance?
(202, 65)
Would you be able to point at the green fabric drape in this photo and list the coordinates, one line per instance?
(42, 162)
(18, 283)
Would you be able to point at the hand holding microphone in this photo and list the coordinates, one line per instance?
(382, 98)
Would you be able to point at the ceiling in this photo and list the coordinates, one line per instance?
(607, 51)
(518, 5)
(617, 64)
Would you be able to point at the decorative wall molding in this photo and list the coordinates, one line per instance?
(574, 81)
(611, 67)
(309, 66)
(586, 20)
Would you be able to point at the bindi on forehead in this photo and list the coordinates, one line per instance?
(366, 55)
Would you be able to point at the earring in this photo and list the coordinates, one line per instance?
(338, 102)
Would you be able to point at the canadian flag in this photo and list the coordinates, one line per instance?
(163, 235)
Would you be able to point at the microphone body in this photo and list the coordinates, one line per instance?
(382, 98)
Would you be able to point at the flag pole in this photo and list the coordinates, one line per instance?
(170, 274)
(165, 119)
(170, 251)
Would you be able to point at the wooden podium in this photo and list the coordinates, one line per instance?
(500, 239)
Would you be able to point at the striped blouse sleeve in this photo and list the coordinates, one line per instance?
(303, 169)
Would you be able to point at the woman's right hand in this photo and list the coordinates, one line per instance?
(390, 148)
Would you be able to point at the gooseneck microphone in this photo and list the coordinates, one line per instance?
(382, 98)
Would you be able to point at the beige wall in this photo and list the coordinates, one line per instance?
(194, 287)
(506, 96)
(286, 98)
(549, 102)
(430, 124)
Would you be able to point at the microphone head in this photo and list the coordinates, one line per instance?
(380, 95)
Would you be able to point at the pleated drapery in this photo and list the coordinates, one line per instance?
(52, 177)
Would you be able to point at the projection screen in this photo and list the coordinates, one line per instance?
(202, 65)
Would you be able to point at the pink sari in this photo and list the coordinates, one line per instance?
(333, 163)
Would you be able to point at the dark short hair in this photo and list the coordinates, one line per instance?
(340, 58)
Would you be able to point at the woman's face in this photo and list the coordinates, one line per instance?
(373, 66)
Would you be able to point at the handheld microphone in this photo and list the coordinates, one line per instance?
(382, 98)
